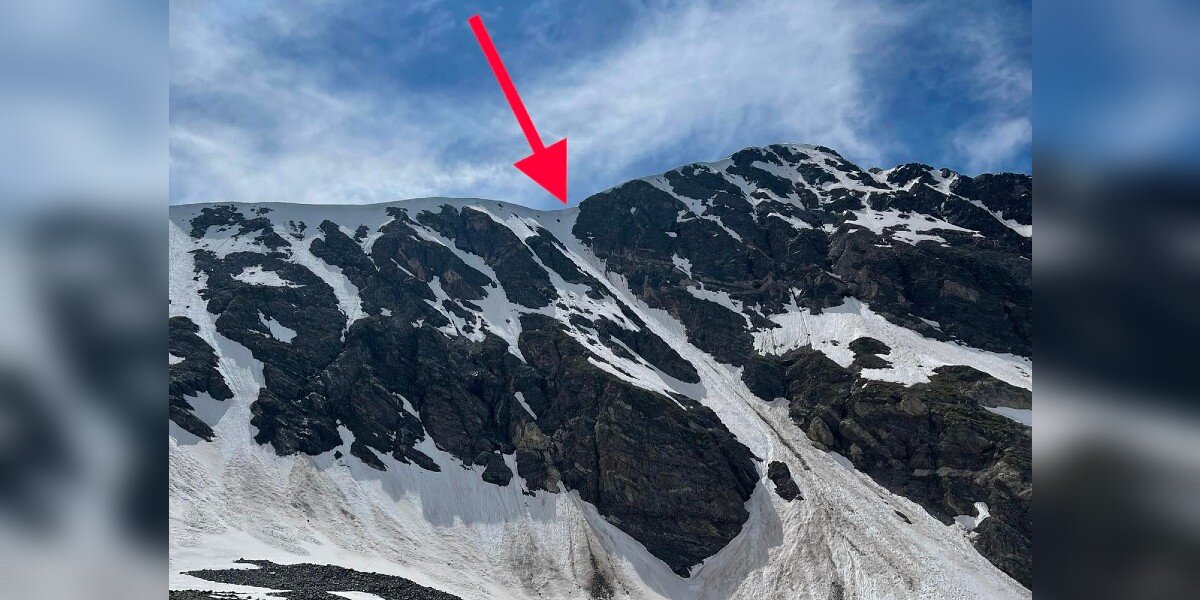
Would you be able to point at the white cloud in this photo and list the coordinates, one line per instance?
(1004, 84)
(712, 76)
(719, 75)
(989, 148)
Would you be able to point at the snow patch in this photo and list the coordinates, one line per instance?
(1023, 416)
(257, 276)
(525, 405)
(970, 523)
(278, 331)
(682, 264)
(905, 227)
(913, 357)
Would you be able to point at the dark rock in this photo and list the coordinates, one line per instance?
(868, 345)
(605, 433)
(983, 388)
(306, 581)
(196, 373)
(781, 476)
(932, 443)
(663, 468)
(495, 471)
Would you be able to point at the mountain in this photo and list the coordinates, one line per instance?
(772, 376)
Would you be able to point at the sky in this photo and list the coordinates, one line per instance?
(372, 101)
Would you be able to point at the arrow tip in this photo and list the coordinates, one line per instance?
(548, 168)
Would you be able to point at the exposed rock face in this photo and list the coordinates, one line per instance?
(932, 442)
(915, 253)
(616, 442)
(529, 347)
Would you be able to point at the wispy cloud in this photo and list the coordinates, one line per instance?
(990, 148)
(1000, 78)
(270, 104)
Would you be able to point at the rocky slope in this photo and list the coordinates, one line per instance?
(772, 374)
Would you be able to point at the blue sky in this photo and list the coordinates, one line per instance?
(370, 101)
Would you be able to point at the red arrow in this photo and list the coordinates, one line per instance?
(548, 164)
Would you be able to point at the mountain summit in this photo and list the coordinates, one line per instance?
(775, 375)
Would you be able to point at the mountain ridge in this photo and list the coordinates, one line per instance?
(558, 351)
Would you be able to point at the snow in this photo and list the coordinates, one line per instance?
(720, 297)
(257, 276)
(234, 498)
(793, 221)
(842, 461)
(457, 325)
(909, 227)
(346, 292)
(682, 264)
(969, 522)
(695, 208)
(1023, 416)
(357, 595)
(497, 313)
(525, 405)
(913, 357)
(278, 331)
(173, 360)
(1022, 230)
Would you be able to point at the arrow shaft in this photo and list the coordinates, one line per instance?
(506, 84)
